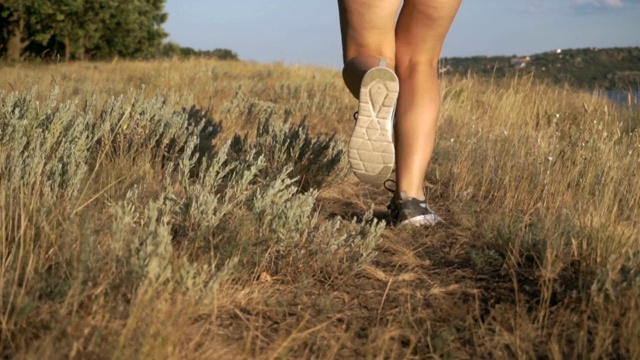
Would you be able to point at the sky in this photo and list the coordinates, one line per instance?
(307, 31)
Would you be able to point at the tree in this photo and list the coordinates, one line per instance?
(132, 29)
(19, 19)
(69, 25)
(170, 50)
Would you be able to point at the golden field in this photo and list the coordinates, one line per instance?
(203, 209)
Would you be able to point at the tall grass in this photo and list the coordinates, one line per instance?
(204, 209)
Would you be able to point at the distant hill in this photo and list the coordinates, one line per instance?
(612, 68)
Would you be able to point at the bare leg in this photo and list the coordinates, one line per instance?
(368, 28)
(368, 37)
(420, 32)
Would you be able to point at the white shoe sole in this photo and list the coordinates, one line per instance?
(423, 220)
(371, 151)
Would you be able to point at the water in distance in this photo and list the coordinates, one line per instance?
(624, 98)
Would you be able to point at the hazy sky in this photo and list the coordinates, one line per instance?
(307, 31)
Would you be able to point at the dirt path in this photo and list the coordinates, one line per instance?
(424, 290)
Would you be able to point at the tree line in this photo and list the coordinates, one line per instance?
(588, 68)
(88, 30)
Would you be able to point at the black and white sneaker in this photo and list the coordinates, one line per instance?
(405, 210)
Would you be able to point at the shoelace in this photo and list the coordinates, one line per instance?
(395, 187)
(389, 189)
(391, 207)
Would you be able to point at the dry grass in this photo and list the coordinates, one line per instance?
(195, 217)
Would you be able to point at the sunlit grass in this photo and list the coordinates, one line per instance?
(204, 209)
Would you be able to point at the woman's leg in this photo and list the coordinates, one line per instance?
(420, 32)
(368, 34)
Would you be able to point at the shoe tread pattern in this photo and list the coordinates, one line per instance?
(371, 151)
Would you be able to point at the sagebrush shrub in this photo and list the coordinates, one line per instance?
(313, 159)
(184, 209)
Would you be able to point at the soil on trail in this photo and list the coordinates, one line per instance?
(417, 280)
(424, 293)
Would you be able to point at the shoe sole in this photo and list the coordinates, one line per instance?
(371, 151)
(423, 220)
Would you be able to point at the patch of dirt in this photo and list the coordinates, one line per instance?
(429, 292)
(424, 282)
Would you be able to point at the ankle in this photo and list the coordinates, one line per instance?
(411, 194)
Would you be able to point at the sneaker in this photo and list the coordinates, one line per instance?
(371, 151)
(405, 210)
